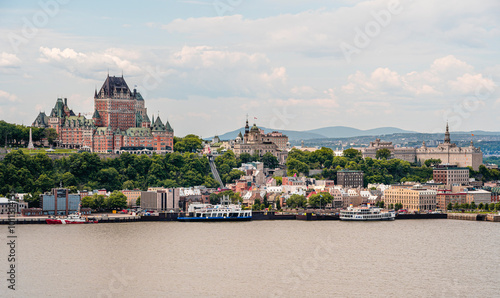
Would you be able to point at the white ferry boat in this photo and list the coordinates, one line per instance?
(223, 212)
(366, 213)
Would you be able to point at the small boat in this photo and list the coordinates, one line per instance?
(222, 212)
(74, 218)
(366, 213)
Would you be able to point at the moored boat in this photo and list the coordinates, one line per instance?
(366, 213)
(74, 218)
(222, 212)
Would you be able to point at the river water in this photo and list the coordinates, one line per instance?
(444, 258)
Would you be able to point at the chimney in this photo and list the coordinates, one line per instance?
(65, 101)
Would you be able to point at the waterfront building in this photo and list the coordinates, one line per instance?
(59, 202)
(478, 196)
(165, 199)
(416, 198)
(450, 175)
(447, 152)
(18, 206)
(254, 141)
(350, 178)
(132, 196)
(339, 197)
(119, 123)
(445, 198)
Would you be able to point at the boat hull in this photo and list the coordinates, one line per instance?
(213, 219)
(50, 221)
(366, 219)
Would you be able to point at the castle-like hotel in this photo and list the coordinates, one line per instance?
(120, 123)
(447, 152)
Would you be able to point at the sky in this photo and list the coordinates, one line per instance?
(204, 65)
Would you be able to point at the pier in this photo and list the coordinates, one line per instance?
(102, 218)
(257, 215)
(475, 216)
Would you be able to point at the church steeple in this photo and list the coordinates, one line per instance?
(447, 135)
(247, 128)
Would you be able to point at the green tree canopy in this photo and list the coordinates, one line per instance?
(320, 200)
(116, 201)
(296, 201)
(383, 153)
(270, 161)
(190, 143)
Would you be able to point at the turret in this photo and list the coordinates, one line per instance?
(447, 135)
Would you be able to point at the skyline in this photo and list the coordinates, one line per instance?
(297, 65)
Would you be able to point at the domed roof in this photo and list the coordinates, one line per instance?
(254, 128)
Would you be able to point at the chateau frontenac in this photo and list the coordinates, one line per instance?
(119, 123)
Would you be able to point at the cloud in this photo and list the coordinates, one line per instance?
(445, 76)
(6, 97)
(90, 65)
(9, 60)
(188, 71)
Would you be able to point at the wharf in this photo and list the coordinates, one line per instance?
(475, 216)
(102, 218)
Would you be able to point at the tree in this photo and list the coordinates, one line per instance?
(450, 206)
(50, 134)
(353, 154)
(432, 162)
(99, 202)
(68, 179)
(480, 207)
(257, 205)
(270, 161)
(245, 157)
(383, 153)
(33, 200)
(190, 143)
(296, 201)
(44, 183)
(320, 200)
(138, 201)
(473, 206)
(381, 204)
(455, 207)
(296, 166)
(116, 200)
(129, 184)
(109, 179)
(214, 198)
(88, 202)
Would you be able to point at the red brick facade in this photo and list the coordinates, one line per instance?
(120, 123)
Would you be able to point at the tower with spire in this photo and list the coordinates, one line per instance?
(447, 135)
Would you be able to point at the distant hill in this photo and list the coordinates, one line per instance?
(321, 133)
(292, 134)
(349, 132)
(477, 133)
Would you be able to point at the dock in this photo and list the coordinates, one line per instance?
(475, 216)
(102, 218)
